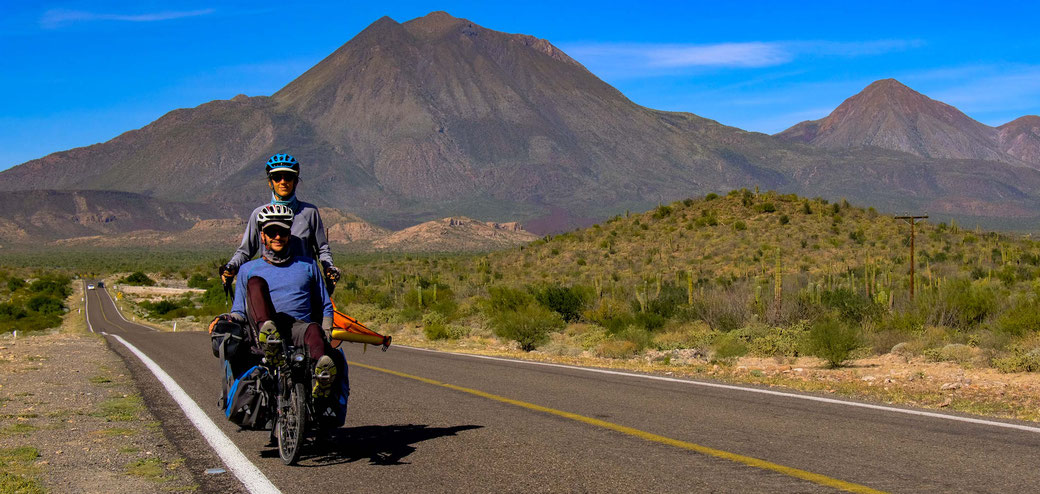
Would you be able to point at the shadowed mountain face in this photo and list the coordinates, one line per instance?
(49, 214)
(889, 115)
(440, 117)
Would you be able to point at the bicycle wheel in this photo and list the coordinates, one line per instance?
(292, 425)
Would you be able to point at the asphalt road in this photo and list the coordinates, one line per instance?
(434, 422)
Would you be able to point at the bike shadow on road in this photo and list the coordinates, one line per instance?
(379, 444)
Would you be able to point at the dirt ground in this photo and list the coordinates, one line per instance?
(71, 419)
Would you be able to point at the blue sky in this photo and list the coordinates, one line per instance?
(78, 73)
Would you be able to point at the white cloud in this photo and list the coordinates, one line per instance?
(718, 55)
(654, 58)
(57, 17)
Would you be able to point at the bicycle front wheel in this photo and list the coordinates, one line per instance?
(292, 425)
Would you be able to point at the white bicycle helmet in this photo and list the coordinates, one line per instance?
(274, 214)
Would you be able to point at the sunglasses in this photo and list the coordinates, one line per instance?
(275, 232)
(282, 177)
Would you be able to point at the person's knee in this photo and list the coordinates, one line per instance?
(315, 343)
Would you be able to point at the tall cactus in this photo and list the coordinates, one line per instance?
(689, 287)
(778, 286)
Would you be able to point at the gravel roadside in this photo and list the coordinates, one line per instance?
(71, 419)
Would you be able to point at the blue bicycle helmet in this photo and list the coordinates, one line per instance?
(283, 163)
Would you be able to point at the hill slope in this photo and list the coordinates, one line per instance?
(49, 214)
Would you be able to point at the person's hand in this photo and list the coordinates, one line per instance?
(222, 317)
(332, 274)
(226, 274)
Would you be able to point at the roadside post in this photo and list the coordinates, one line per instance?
(911, 219)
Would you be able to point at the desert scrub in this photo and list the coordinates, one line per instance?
(616, 348)
(696, 334)
(728, 346)
(528, 325)
(833, 340)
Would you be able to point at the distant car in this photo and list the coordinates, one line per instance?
(90, 286)
(101, 284)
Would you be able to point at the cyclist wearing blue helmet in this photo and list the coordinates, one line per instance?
(308, 232)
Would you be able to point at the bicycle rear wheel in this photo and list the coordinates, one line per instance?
(292, 424)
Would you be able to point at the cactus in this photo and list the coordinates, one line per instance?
(689, 288)
(778, 286)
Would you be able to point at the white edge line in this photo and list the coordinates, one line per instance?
(749, 390)
(86, 311)
(251, 477)
(119, 312)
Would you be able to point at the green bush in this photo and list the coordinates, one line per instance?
(971, 303)
(435, 327)
(15, 283)
(730, 345)
(503, 298)
(45, 305)
(11, 312)
(739, 225)
(528, 325)
(1019, 359)
(54, 286)
(199, 280)
(776, 341)
(850, 305)
(1021, 319)
(833, 340)
(568, 302)
(765, 207)
(137, 278)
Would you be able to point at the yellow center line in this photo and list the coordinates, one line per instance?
(649, 436)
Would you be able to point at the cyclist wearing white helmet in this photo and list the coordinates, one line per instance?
(277, 296)
(308, 232)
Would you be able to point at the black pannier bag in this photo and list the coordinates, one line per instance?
(231, 336)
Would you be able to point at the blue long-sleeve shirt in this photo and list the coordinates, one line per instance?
(296, 287)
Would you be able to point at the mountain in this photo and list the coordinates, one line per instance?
(410, 121)
(50, 214)
(889, 115)
(346, 230)
(437, 116)
(1021, 138)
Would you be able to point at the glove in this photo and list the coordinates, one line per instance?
(326, 327)
(222, 317)
(332, 274)
(226, 273)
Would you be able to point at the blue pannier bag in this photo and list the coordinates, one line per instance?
(245, 401)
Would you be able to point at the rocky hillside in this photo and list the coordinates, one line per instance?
(345, 230)
(455, 234)
(50, 214)
(889, 115)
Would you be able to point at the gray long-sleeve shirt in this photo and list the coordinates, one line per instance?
(308, 237)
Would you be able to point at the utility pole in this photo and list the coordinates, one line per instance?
(911, 219)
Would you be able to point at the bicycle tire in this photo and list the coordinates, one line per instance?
(293, 425)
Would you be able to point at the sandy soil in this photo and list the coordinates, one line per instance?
(72, 399)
